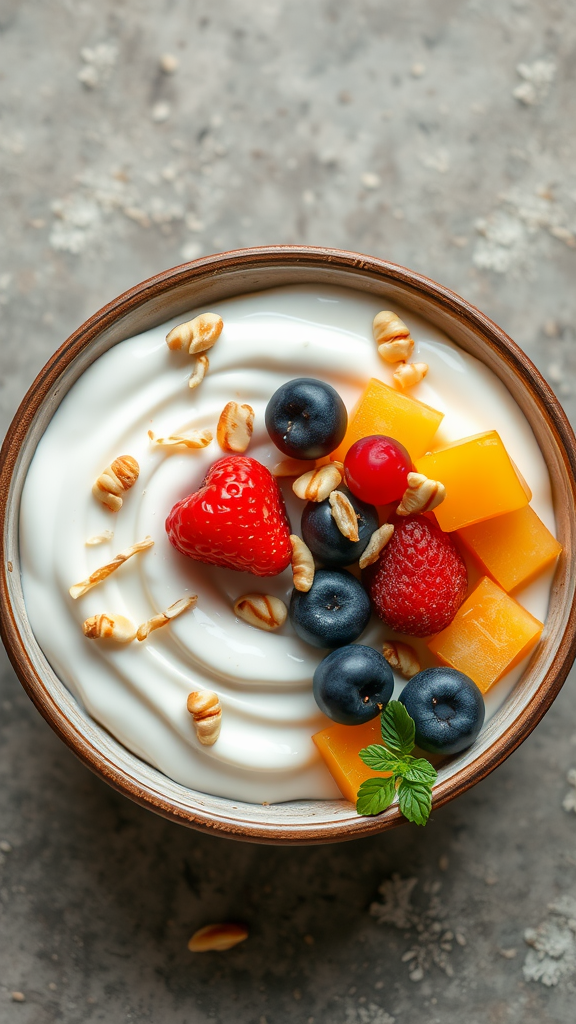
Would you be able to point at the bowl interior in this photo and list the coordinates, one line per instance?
(200, 284)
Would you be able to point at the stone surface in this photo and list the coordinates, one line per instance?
(437, 135)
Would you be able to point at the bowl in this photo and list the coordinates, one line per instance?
(201, 283)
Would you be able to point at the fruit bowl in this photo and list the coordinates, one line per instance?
(202, 283)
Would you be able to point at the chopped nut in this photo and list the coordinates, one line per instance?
(217, 937)
(317, 484)
(197, 335)
(206, 710)
(117, 478)
(401, 657)
(421, 495)
(261, 610)
(168, 63)
(109, 627)
(99, 538)
(392, 337)
(290, 467)
(235, 427)
(344, 515)
(105, 570)
(195, 439)
(200, 371)
(376, 544)
(302, 564)
(162, 618)
(408, 374)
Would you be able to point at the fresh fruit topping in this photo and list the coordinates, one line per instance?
(490, 634)
(410, 778)
(376, 469)
(339, 745)
(334, 612)
(481, 480)
(236, 519)
(384, 410)
(306, 418)
(353, 684)
(321, 533)
(513, 548)
(447, 708)
(420, 579)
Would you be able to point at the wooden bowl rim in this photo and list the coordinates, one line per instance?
(266, 257)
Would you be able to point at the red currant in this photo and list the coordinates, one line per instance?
(376, 468)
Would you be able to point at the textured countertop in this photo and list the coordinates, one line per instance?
(440, 136)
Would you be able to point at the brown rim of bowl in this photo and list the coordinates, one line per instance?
(209, 267)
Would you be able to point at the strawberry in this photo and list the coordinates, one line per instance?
(236, 519)
(419, 580)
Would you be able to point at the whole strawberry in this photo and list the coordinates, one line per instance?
(236, 519)
(419, 580)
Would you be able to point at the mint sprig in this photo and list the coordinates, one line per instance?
(412, 777)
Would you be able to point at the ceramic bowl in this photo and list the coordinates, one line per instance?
(202, 283)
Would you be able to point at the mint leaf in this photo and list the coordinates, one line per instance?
(415, 799)
(375, 795)
(380, 759)
(418, 769)
(398, 728)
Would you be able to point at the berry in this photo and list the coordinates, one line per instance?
(323, 537)
(334, 612)
(376, 469)
(353, 684)
(306, 418)
(419, 580)
(236, 519)
(447, 708)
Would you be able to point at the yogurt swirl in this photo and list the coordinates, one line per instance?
(138, 692)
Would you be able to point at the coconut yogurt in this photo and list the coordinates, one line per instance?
(264, 681)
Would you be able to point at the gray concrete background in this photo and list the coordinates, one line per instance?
(437, 135)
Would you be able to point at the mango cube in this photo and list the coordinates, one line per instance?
(339, 746)
(513, 548)
(489, 635)
(382, 410)
(480, 478)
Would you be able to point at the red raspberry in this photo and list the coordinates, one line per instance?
(236, 519)
(420, 580)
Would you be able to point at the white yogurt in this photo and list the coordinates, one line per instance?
(138, 692)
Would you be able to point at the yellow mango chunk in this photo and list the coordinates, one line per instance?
(339, 746)
(513, 548)
(382, 410)
(489, 635)
(480, 478)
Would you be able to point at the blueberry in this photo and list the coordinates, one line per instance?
(334, 612)
(323, 537)
(447, 707)
(306, 418)
(353, 684)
